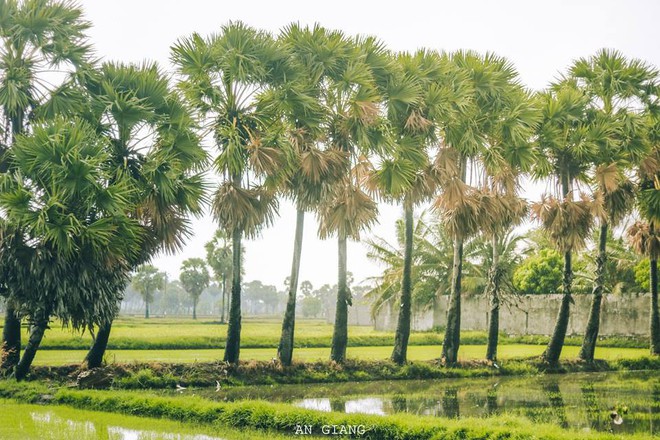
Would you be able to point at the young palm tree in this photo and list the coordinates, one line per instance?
(224, 78)
(154, 144)
(35, 37)
(566, 151)
(614, 86)
(218, 256)
(194, 278)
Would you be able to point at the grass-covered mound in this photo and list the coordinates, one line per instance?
(167, 375)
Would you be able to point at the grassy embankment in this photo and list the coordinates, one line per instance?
(285, 419)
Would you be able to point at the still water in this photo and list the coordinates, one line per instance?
(579, 401)
(36, 422)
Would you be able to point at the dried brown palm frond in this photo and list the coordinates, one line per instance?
(417, 123)
(460, 210)
(264, 160)
(650, 165)
(367, 112)
(644, 240)
(363, 172)
(608, 177)
(447, 163)
(424, 186)
(348, 211)
(317, 166)
(569, 222)
(503, 211)
(454, 192)
(245, 209)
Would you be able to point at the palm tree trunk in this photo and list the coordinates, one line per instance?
(94, 358)
(340, 333)
(553, 350)
(655, 316)
(11, 339)
(453, 332)
(195, 308)
(285, 349)
(399, 354)
(146, 309)
(593, 323)
(494, 299)
(233, 347)
(37, 330)
(224, 293)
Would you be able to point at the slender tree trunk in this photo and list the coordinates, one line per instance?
(655, 316)
(224, 293)
(593, 323)
(94, 358)
(146, 309)
(553, 350)
(285, 349)
(37, 330)
(340, 333)
(452, 338)
(194, 308)
(494, 299)
(11, 339)
(232, 350)
(453, 332)
(399, 354)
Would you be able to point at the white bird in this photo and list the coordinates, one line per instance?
(496, 366)
(179, 388)
(616, 418)
(217, 386)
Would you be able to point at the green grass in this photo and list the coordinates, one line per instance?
(415, 353)
(284, 418)
(181, 333)
(25, 422)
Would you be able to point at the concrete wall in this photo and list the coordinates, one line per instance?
(621, 315)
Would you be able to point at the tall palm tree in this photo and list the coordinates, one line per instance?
(224, 78)
(355, 128)
(644, 235)
(154, 144)
(36, 37)
(566, 150)
(312, 167)
(615, 86)
(477, 152)
(414, 99)
(509, 155)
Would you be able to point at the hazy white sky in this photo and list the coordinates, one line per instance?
(540, 37)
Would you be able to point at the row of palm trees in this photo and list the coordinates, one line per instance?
(336, 123)
(332, 122)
